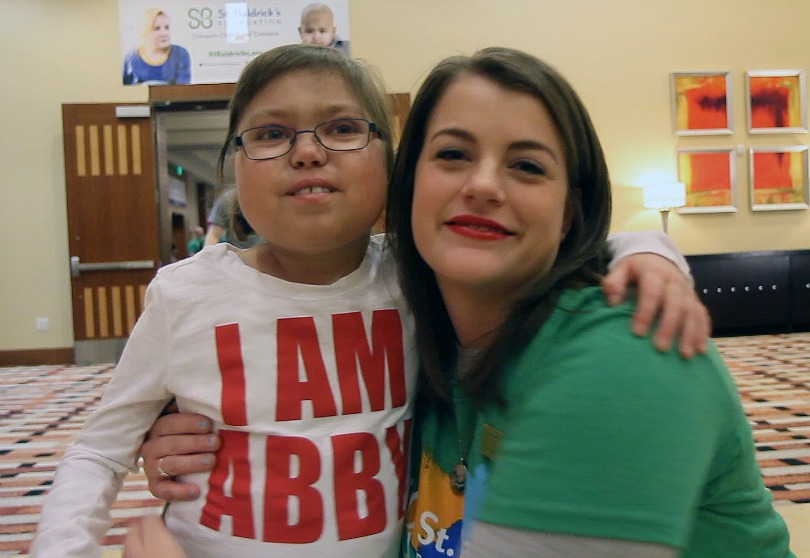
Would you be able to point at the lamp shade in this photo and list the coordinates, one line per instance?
(665, 196)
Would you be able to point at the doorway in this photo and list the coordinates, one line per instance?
(188, 139)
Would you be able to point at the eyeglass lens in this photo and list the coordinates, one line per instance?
(267, 142)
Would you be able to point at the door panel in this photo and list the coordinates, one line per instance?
(112, 217)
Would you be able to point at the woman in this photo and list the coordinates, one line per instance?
(157, 61)
(580, 440)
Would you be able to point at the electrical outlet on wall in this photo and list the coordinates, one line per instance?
(43, 324)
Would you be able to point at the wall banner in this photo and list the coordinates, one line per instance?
(190, 41)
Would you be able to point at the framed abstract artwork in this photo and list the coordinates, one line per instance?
(778, 178)
(701, 103)
(775, 101)
(709, 178)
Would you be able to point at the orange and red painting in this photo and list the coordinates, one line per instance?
(778, 178)
(709, 178)
(701, 103)
(776, 101)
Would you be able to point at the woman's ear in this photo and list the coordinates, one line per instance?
(573, 198)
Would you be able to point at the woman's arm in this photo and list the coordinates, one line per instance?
(489, 540)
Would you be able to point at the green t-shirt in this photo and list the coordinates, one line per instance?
(603, 436)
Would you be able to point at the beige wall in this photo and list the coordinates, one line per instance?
(618, 54)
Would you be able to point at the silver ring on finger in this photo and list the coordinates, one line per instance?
(160, 470)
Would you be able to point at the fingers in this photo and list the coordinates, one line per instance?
(682, 317)
(174, 491)
(180, 423)
(169, 488)
(615, 283)
(177, 455)
(178, 444)
(672, 318)
(696, 330)
(651, 300)
(148, 537)
(665, 295)
(173, 465)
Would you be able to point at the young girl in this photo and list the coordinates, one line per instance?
(300, 350)
(551, 431)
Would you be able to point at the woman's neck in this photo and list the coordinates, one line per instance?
(154, 54)
(310, 269)
(475, 318)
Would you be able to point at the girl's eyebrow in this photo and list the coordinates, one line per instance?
(517, 145)
(326, 110)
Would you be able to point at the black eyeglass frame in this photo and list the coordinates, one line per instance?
(372, 129)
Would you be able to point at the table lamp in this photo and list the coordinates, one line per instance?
(664, 197)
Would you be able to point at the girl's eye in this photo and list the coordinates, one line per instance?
(529, 167)
(347, 127)
(450, 154)
(270, 133)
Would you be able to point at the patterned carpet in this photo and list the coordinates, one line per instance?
(772, 373)
(43, 407)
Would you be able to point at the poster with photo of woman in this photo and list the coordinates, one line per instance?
(176, 42)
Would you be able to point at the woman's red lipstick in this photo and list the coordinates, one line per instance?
(478, 228)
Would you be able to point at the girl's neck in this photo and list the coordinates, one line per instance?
(310, 269)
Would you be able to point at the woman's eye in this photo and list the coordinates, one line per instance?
(450, 155)
(529, 167)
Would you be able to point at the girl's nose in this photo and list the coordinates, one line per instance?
(307, 151)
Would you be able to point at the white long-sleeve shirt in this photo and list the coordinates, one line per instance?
(309, 387)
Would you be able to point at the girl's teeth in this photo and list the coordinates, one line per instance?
(314, 190)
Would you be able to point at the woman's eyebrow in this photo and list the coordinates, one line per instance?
(462, 134)
(531, 144)
(453, 132)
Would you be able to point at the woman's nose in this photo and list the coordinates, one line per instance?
(484, 184)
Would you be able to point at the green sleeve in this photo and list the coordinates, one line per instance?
(604, 436)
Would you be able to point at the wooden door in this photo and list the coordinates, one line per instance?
(112, 217)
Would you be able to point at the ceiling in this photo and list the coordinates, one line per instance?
(194, 139)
